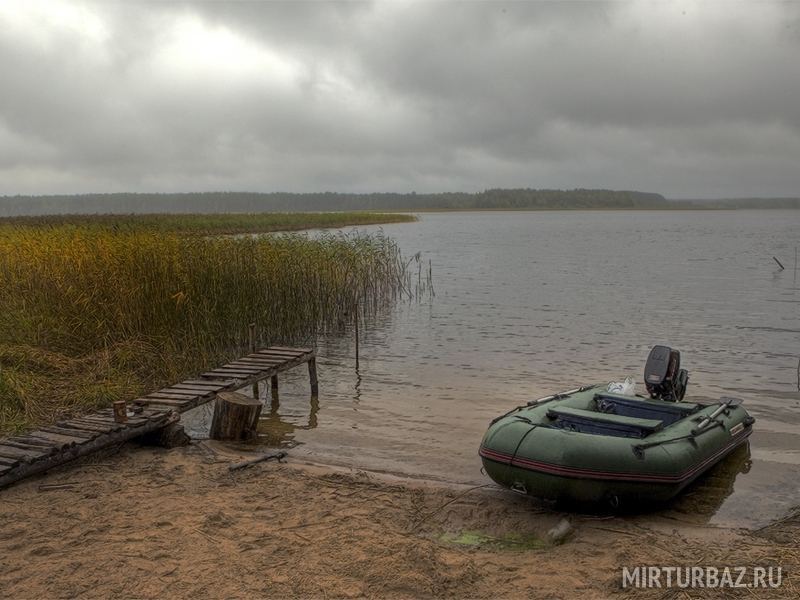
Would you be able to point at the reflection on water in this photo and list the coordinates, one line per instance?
(704, 497)
(279, 432)
(357, 388)
(532, 303)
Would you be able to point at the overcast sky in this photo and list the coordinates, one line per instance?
(689, 99)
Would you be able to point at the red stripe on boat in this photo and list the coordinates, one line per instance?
(576, 472)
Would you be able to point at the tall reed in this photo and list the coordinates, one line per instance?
(89, 315)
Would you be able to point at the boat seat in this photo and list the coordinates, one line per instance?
(644, 408)
(587, 421)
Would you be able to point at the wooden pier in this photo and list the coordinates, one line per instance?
(47, 447)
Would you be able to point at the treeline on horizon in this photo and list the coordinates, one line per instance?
(251, 202)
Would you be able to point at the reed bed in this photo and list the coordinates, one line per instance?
(89, 315)
(209, 224)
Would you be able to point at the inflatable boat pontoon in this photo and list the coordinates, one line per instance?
(591, 445)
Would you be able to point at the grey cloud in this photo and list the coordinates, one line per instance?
(678, 98)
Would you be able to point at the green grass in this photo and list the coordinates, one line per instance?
(477, 539)
(92, 312)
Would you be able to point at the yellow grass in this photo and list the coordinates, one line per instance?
(89, 315)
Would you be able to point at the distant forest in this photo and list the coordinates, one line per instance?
(246, 202)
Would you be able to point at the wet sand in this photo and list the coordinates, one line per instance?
(153, 523)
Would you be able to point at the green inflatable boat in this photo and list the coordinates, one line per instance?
(592, 445)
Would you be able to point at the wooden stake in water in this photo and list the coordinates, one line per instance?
(779, 262)
(312, 376)
(253, 350)
(356, 319)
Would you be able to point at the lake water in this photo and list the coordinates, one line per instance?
(531, 303)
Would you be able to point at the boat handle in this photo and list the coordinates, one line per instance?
(519, 488)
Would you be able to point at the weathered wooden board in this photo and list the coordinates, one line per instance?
(239, 368)
(269, 355)
(184, 392)
(264, 364)
(161, 401)
(254, 362)
(273, 355)
(8, 446)
(18, 454)
(173, 396)
(286, 348)
(37, 464)
(227, 374)
(99, 418)
(195, 389)
(102, 421)
(209, 384)
(69, 431)
(26, 442)
(56, 438)
(39, 450)
(84, 426)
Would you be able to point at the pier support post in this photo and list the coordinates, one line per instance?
(356, 322)
(253, 351)
(235, 417)
(120, 411)
(312, 376)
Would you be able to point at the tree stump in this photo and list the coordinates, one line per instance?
(235, 417)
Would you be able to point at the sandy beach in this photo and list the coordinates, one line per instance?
(144, 522)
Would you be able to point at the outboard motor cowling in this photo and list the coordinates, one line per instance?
(663, 375)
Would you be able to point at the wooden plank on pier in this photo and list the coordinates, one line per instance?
(264, 360)
(56, 438)
(260, 362)
(68, 431)
(277, 354)
(51, 445)
(84, 426)
(162, 401)
(249, 363)
(234, 368)
(187, 396)
(20, 455)
(286, 348)
(26, 448)
(227, 374)
(107, 423)
(30, 465)
(24, 441)
(180, 388)
(218, 385)
(271, 357)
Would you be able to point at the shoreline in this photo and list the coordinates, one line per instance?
(149, 522)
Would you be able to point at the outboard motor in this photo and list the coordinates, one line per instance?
(663, 375)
